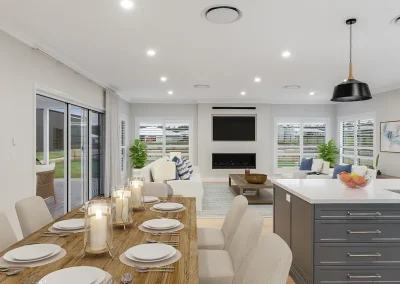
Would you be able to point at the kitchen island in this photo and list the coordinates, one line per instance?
(340, 235)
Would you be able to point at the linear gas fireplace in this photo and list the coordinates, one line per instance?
(234, 161)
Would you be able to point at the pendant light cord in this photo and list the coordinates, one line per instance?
(351, 47)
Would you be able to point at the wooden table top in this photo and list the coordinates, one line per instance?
(186, 269)
(240, 180)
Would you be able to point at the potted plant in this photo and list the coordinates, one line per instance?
(138, 154)
(328, 152)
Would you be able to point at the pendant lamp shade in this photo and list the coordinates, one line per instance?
(351, 90)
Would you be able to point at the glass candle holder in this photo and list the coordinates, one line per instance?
(98, 227)
(136, 185)
(121, 199)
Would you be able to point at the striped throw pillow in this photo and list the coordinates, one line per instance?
(189, 165)
(181, 169)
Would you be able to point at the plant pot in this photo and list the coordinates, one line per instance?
(136, 172)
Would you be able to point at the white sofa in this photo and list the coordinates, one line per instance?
(186, 188)
(295, 173)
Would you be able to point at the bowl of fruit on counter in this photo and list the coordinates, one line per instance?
(353, 180)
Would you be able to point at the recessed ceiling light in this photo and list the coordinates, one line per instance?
(170, 92)
(257, 79)
(312, 93)
(151, 52)
(243, 93)
(286, 54)
(127, 4)
(202, 86)
(163, 79)
(292, 87)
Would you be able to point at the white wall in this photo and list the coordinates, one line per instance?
(20, 69)
(264, 146)
(386, 108)
(165, 111)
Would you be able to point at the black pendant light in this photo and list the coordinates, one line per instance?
(351, 90)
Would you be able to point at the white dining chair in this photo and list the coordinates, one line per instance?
(33, 214)
(210, 238)
(158, 189)
(220, 266)
(270, 263)
(7, 235)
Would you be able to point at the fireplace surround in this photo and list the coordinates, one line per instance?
(234, 160)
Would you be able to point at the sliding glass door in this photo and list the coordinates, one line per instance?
(70, 138)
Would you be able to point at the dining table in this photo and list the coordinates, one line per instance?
(185, 270)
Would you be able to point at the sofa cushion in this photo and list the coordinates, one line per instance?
(181, 169)
(340, 168)
(215, 267)
(196, 177)
(209, 238)
(189, 165)
(359, 170)
(306, 164)
(317, 165)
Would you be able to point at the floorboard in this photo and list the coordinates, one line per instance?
(217, 223)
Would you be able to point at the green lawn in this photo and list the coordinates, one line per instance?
(75, 169)
(53, 155)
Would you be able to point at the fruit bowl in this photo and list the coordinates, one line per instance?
(353, 180)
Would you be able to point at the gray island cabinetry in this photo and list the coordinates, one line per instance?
(340, 235)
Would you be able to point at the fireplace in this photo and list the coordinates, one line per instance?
(233, 161)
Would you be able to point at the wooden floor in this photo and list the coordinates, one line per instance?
(217, 223)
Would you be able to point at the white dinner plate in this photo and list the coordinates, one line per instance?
(168, 206)
(152, 252)
(148, 261)
(161, 224)
(71, 224)
(80, 274)
(32, 253)
(150, 199)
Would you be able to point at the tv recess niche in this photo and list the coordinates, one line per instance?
(234, 128)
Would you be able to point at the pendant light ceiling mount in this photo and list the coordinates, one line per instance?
(351, 90)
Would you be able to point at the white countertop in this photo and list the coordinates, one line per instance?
(320, 191)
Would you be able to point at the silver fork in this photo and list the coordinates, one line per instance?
(165, 234)
(156, 269)
(11, 273)
(171, 243)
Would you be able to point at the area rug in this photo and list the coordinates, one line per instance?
(218, 199)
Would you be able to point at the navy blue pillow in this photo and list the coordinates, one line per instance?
(306, 164)
(341, 168)
(176, 171)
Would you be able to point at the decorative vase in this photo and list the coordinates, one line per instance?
(98, 227)
(121, 199)
(137, 188)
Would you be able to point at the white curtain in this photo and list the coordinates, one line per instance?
(112, 172)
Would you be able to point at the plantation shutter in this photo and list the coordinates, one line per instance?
(288, 145)
(314, 134)
(123, 145)
(153, 135)
(177, 138)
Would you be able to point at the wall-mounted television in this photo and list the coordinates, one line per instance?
(234, 128)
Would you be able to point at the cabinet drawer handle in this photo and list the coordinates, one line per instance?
(363, 276)
(364, 255)
(365, 214)
(364, 232)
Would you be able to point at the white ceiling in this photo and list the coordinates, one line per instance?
(109, 44)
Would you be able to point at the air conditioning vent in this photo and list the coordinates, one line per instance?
(222, 14)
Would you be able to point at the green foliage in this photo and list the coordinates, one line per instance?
(328, 152)
(138, 154)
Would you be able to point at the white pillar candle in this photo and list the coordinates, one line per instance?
(122, 206)
(98, 231)
(136, 188)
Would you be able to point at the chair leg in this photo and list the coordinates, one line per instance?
(54, 197)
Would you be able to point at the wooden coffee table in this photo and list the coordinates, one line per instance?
(255, 193)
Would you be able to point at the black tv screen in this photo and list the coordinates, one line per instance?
(234, 128)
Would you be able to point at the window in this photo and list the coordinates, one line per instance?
(164, 136)
(123, 145)
(297, 140)
(357, 142)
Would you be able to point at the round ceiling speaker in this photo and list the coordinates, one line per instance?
(292, 87)
(222, 14)
(396, 21)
